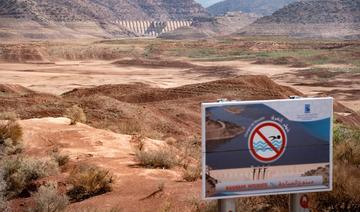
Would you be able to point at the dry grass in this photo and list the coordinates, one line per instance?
(138, 142)
(3, 203)
(192, 173)
(88, 181)
(75, 114)
(130, 127)
(12, 116)
(345, 195)
(61, 159)
(161, 158)
(19, 173)
(48, 199)
(203, 206)
(10, 130)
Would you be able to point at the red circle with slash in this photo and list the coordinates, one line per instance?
(267, 142)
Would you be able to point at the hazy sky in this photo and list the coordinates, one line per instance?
(207, 3)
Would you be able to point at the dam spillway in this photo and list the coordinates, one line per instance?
(152, 28)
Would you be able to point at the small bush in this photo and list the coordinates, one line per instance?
(137, 141)
(75, 114)
(19, 173)
(130, 127)
(10, 130)
(203, 206)
(48, 199)
(345, 195)
(347, 145)
(10, 137)
(3, 202)
(161, 158)
(61, 159)
(341, 133)
(88, 181)
(347, 152)
(12, 116)
(8, 147)
(192, 172)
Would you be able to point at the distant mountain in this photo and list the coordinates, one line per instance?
(54, 18)
(311, 18)
(259, 7)
(207, 3)
(228, 24)
(104, 10)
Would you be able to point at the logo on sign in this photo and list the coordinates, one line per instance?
(307, 108)
(304, 201)
(267, 142)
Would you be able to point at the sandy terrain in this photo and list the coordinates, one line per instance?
(112, 151)
(59, 77)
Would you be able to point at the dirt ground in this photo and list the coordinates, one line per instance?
(113, 152)
(155, 97)
(63, 76)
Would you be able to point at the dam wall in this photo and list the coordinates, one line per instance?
(152, 28)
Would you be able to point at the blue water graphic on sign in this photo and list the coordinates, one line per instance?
(264, 147)
(309, 143)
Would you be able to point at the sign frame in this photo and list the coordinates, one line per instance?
(204, 106)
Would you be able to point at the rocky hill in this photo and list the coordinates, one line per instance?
(312, 18)
(105, 10)
(227, 24)
(64, 18)
(259, 7)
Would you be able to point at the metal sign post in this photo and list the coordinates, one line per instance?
(227, 205)
(298, 203)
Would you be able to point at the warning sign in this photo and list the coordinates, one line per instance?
(267, 142)
(253, 148)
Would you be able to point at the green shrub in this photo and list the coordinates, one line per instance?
(161, 158)
(346, 145)
(341, 133)
(19, 172)
(48, 199)
(88, 181)
(75, 114)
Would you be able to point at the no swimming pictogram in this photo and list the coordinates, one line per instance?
(267, 142)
